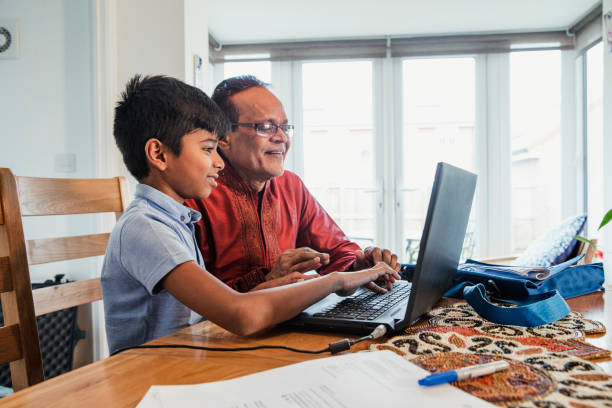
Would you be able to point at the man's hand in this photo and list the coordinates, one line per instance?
(297, 260)
(369, 257)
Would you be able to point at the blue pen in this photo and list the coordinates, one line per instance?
(464, 373)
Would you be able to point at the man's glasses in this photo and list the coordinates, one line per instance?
(268, 129)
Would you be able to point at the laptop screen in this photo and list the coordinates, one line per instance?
(442, 239)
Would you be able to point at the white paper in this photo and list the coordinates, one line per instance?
(369, 379)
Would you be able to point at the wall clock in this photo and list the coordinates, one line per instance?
(9, 37)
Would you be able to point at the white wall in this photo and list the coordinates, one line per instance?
(607, 144)
(196, 41)
(150, 38)
(160, 37)
(46, 103)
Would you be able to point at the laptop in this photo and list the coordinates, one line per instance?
(440, 248)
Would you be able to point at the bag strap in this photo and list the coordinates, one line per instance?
(535, 310)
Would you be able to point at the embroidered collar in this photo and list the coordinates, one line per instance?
(233, 181)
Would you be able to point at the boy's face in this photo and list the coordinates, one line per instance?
(193, 173)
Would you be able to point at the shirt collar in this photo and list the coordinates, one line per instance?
(167, 204)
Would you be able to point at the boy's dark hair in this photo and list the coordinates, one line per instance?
(163, 108)
(231, 86)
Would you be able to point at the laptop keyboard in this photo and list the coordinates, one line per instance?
(367, 305)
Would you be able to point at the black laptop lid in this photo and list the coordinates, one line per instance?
(442, 240)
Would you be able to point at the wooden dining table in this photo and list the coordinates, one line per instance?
(123, 379)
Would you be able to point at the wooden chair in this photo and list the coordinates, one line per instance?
(30, 196)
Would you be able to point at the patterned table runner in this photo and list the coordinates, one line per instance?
(549, 365)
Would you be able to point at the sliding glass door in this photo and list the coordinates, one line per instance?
(338, 140)
(535, 129)
(438, 125)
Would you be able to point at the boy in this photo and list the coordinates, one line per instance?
(153, 273)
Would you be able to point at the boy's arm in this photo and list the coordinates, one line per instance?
(248, 313)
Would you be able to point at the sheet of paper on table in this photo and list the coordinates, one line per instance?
(368, 379)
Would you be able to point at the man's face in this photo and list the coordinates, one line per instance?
(257, 158)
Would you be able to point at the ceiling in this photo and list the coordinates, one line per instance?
(248, 21)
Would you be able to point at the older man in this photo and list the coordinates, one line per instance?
(261, 227)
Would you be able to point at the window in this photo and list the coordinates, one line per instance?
(535, 129)
(338, 144)
(438, 116)
(261, 69)
(371, 163)
(594, 130)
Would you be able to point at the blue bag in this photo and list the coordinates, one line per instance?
(538, 296)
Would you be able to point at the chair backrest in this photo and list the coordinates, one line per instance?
(32, 196)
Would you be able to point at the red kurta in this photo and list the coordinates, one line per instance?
(241, 244)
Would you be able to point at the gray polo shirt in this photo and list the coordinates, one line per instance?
(153, 236)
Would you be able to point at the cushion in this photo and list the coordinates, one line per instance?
(555, 246)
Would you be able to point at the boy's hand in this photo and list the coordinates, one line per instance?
(297, 260)
(293, 277)
(349, 281)
(372, 255)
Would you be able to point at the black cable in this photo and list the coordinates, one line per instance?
(334, 347)
(221, 348)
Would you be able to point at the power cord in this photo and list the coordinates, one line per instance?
(345, 344)
(334, 348)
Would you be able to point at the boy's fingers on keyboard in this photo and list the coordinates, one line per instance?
(387, 270)
(375, 288)
(389, 282)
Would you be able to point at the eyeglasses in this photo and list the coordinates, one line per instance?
(268, 129)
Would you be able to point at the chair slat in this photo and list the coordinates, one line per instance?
(47, 250)
(46, 196)
(9, 338)
(58, 297)
(6, 283)
(17, 305)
